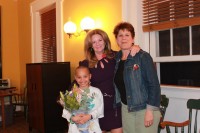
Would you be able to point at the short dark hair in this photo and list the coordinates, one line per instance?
(82, 67)
(123, 26)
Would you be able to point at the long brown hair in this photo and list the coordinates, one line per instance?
(89, 52)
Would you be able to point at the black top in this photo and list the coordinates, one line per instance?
(119, 81)
(102, 78)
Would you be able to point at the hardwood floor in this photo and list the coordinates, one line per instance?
(19, 125)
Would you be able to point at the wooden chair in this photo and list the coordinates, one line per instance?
(20, 99)
(164, 101)
(192, 105)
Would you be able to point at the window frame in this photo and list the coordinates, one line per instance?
(35, 8)
(153, 42)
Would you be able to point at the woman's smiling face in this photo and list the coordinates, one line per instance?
(98, 43)
(124, 39)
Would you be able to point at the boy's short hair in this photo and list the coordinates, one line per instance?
(82, 67)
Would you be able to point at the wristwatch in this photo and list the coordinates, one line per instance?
(91, 117)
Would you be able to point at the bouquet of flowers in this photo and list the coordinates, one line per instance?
(77, 103)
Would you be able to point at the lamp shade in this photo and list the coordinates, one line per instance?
(70, 27)
(87, 23)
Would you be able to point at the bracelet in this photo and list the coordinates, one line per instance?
(70, 120)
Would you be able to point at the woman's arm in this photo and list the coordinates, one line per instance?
(134, 50)
(152, 82)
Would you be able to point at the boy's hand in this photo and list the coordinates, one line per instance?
(85, 118)
(76, 119)
(61, 102)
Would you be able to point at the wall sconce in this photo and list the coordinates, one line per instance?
(86, 24)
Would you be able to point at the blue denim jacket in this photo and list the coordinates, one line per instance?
(141, 82)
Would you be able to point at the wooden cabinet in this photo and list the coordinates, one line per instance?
(44, 82)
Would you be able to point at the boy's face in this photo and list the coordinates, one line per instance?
(82, 76)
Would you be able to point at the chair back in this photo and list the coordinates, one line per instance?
(20, 99)
(193, 105)
(163, 105)
(25, 94)
(164, 101)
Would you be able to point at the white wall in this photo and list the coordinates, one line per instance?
(177, 109)
(132, 12)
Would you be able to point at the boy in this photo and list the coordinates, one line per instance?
(82, 77)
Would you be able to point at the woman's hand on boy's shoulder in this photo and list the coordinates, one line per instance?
(134, 50)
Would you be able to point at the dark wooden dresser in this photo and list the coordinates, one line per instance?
(44, 82)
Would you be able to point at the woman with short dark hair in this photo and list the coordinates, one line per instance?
(136, 84)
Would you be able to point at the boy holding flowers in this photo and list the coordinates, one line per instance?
(83, 105)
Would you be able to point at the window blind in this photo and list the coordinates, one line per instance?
(166, 14)
(48, 27)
